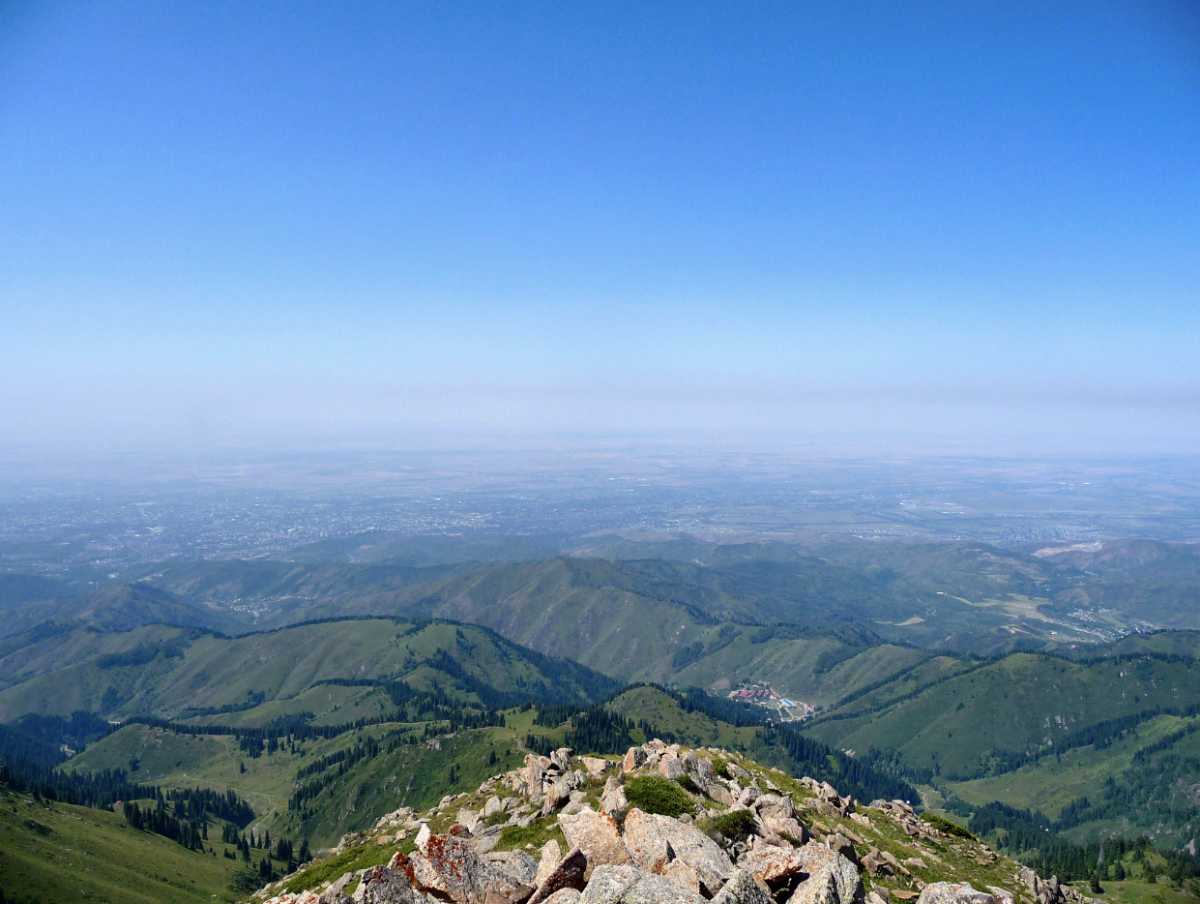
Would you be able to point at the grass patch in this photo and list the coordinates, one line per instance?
(721, 768)
(736, 825)
(655, 794)
(947, 826)
(533, 835)
(327, 870)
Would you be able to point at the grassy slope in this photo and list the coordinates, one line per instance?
(214, 671)
(1050, 784)
(76, 853)
(1021, 702)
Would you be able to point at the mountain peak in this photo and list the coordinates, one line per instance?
(663, 823)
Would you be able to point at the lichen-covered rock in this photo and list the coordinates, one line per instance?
(381, 885)
(449, 867)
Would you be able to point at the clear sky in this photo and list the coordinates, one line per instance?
(974, 224)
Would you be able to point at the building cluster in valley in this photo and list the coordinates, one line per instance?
(759, 694)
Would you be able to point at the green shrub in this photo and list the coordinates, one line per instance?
(687, 784)
(655, 794)
(721, 768)
(736, 825)
(950, 828)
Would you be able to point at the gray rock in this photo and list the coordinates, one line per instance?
(549, 856)
(653, 841)
(742, 889)
(380, 885)
(613, 801)
(953, 893)
(832, 879)
(563, 896)
(629, 885)
(514, 864)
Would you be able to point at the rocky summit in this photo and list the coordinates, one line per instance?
(661, 824)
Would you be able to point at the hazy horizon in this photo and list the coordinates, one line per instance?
(929, 230)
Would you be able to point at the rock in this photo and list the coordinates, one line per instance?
(515, 864)
(613, 800)
(628, 885)
(719, 793)
(335, 893)
(882, 863)
(747, 797)
(557, 793)
(563, 896)
(700, 769)
(493, 807)
(785, 827)
(596, 835)
(635, 758)
(742, 889)
(842, 844)
(953, 893)
(653, 840)
(832, 879)
(551, 854)
(595, 766)
(682, 875)
(774, 866)
(608, 882)
(380, 885)
(567, 874)
(423, 835)
(670, 766)
(449, 867)
(468, 819)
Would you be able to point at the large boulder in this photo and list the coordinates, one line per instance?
(568, 873)
(653, 841)
(515, 864)
(775, 866)
(381, 885)
(548, 860)
(953, 893)
(670, 766)
(742, 889)
(449, 867)
(596, 835)
(832, 879)
(629, 885)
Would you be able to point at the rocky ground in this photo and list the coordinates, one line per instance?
(563, 830)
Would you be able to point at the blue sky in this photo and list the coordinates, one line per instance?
(929, 223)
